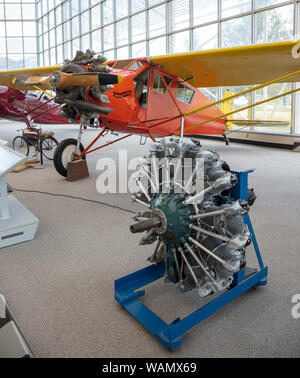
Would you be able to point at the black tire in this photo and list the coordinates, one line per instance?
(49, 144)
(59, 164)
(21, 145)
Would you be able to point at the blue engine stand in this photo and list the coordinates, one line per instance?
(170, 335)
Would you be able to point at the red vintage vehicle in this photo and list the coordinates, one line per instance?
(29, 105)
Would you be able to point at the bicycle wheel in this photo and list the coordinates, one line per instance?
(21, 145)
(49, 145)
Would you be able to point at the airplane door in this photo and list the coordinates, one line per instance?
(160, 103)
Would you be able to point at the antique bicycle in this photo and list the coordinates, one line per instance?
(37, 138)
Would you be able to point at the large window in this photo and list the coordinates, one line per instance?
(204, 11)
(236, 32)
(205, 37)
(157, 46)
(138, 27)
(157, 21)
(122, 32)
(234, 7)
(179, 14)
(275, 24)
(18, 41)
(179, 42)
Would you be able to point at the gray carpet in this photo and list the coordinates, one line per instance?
(60, 286)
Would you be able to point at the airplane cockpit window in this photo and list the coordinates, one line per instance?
(185, 94)
(135, 66)
(158, 84)
(141, 86)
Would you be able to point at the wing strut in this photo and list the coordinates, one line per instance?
(239, 110)
(167, 119)
(243, 92)
(237, 95)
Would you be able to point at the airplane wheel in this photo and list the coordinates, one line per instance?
(65, 153)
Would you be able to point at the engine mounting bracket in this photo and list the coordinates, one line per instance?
(170, 335)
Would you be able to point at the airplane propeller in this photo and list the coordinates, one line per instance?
(62, 80)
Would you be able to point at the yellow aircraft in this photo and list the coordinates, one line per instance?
(159, 95)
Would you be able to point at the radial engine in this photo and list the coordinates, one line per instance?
(198, 228)
(74, 98)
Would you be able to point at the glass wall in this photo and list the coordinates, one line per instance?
(17, 34)
(123, 28)
(120, 29)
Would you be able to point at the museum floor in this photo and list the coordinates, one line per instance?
(60, 285)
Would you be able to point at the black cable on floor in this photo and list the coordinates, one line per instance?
(72, 197)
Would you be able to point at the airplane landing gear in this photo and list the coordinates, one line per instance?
(64, 154)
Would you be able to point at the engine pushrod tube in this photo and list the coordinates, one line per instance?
(143, 189)
(195, 198)
(176, 261)
(198, 261)
(140, 201)
(190, 180)
(188, 266)
(178, 166)
(209, 233)
(148, 175)
(155, 171)
(212, 213)
(157, 249)
(195, 242)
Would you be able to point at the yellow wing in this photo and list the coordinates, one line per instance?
(7, 78)
(245, 65)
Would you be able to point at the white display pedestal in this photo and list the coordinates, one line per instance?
(21, 226)
(17, 224)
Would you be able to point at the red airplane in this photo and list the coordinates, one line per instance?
(29, 106)
(156, 96)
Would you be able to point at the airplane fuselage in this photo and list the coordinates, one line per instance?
(150, 101)
(143, 97)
